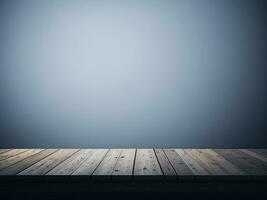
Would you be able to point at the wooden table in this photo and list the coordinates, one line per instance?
(135, 173)
(166, 164)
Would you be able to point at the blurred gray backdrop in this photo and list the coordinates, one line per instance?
(133, 73)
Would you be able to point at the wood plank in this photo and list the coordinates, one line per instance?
(48, 163)
(27, 162)
(14, 159)
(178, 163)
(213, 158)
(11, 153)
(197, 167)
(247, 163)
(255, 155)
(68, 166)
(166, 167)
(4, 150)
(146, 164)
(140, 163)
(108, 164)
(91, 163)
(206, 162)
(263, 152)
(125, 164)
(214, 163)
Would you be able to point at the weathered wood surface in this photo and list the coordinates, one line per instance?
(134, 163)
(165, 164)
(146, 164)
(125, 164)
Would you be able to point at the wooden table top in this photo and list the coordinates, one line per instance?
(135, 163)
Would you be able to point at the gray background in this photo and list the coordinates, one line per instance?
(133, 73)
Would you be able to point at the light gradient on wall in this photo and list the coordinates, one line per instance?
(145, 73)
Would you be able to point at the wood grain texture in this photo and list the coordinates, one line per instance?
(14, 159)
(165, 164)
(212, 158)
(244, 161)
(48, 163)
(206, 161)
(146, 164)
(68, 166)
(255, 155)
(125, 163)
(196, 166)
(11, 153)
(180, 164)
(91, 163)
(27, 162)
(108, 164)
